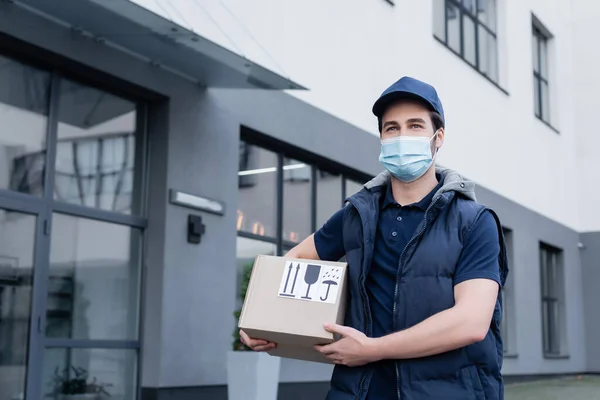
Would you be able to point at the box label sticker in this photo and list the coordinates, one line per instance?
(310, 282)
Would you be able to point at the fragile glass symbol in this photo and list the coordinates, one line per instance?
(311, 276)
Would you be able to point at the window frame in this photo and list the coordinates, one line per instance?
(542, 37)
(552, 328)
(44, 206)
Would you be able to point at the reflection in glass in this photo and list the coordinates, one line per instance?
(17, 237)
(93, 286)
(469, 44)
(257, 190)
(247, 250)
(488, 54)
(114, 371)
(329, 196)
(24, 94)
(297, 191)
(96, 149)
(453, 27)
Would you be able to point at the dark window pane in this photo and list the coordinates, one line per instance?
(545, 327)
(24, 93)
(257, 204)
(554, 327)
(488, 54)
(439, 19)
(469, 5)
(545, 102)
(487, 13)
(246, 252)
(329, 196)
(536, 97)
(94, 280)
(96, 150)
(114, 369)
(453, 22)
(469, 39)
(16, 272)
(297, 192)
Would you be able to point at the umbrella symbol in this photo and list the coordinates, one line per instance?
(329, 284)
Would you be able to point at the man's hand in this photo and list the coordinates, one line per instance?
(353, 349)
(256, 344)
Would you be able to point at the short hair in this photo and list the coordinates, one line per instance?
(436, 121)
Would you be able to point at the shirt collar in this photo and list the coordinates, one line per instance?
(423, 204)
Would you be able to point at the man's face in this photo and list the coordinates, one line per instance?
(408, 118)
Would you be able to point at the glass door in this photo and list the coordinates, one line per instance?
(17, 260)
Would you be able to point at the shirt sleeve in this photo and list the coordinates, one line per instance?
(481, 250)
(329, 240)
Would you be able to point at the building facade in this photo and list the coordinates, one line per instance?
(124, 122)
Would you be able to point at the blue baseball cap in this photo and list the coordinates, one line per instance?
(409, 88)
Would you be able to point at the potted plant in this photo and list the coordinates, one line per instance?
(250, 375)
(76, 386)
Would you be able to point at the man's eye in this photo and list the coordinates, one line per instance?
(416, 126)
(392, 128)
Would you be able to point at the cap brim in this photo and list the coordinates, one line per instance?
(384, 101)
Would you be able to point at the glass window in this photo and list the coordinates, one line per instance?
(95, 161)
(257, 195)
(24, 94)
(439, 18)
(297, 195)
(453, 26)
(540, 74)
(468, 27)
(488, 53)
(486, 10)
(247, 250)
(329, 195)
(112, 372)
(94, 279)
(470, 47)
(17, 238)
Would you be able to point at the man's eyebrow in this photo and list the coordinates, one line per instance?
(387, 123)
(416, 121)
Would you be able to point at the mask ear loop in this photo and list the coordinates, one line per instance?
(436, 149)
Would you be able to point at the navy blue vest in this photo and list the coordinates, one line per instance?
(468, 373)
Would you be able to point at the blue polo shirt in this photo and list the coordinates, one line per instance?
(395, 227)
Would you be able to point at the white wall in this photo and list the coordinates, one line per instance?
(348, 51)
(586, 83)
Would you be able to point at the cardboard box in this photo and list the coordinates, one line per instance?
(288, 301)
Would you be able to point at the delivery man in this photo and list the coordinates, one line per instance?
(426, 265)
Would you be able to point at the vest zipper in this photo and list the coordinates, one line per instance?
(364, 300)
(419, 233)
(364, 304)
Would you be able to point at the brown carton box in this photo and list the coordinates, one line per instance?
(288, 301)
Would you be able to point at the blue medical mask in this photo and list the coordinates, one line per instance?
(406, 157)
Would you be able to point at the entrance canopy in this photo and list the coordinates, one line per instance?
(136, 30)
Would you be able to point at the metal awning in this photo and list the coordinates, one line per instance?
(138, 31)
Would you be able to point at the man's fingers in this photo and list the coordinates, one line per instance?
(252, 343)
(326, 349)
(266, 347)
(339, 329)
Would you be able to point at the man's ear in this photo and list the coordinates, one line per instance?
(439, 139)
